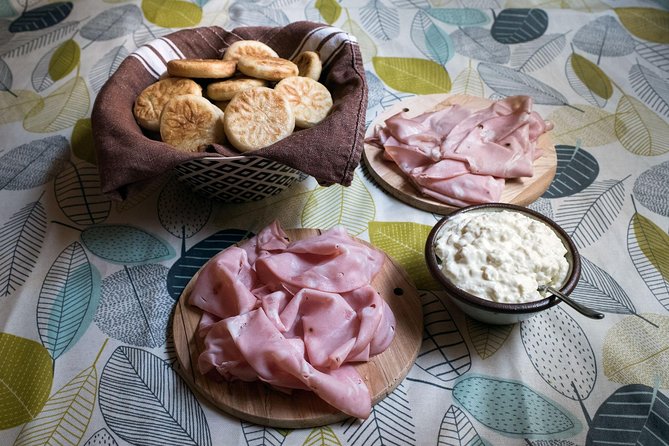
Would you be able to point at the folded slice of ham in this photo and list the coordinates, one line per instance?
(296, 317)
(328, 263)
(462, 156)
(227, 274)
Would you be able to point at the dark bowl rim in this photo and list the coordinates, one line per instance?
(508, 308)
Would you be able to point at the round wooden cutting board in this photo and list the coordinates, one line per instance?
(256, 402)
(519, 191)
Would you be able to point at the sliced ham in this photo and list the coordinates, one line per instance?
(297, 317)
(224, 285)
(461, 156)
(329, 263)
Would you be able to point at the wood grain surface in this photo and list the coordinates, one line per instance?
(520, 191)
(256, 402)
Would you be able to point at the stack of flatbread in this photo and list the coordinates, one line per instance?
(130, 155)
(251, 97)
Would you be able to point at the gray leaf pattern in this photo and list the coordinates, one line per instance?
(509, 82)
(106, 66)
(256, 435)
(598, 290)
(381, 21)
(41, 79)
(148, 32)
(477, 43)
(587, 215)
(135, 306)
(113, 23)
(390, 422)
(101, 438)
(538, 53)
(560, 352)
(604, 37)
(21, 239)
(181, 211)
(145, 402)
(650, 88)
(34, 164)
(443, 355)
(651, 189)
(456, 429)
(6, 77)
(657, 54)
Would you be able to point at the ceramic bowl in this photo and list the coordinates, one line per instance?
(486, 310)
(238, 179)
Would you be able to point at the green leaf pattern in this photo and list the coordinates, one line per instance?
(78, 270)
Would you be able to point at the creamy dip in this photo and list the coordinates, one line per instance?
(501, 256)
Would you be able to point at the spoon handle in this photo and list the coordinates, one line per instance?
(585, 311)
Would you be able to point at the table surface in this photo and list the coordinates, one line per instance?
(85, 355)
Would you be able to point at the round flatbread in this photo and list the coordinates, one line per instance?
(310, 100)
(225, 90)
(309, 64)
(268, 68)
(258, 117)
(202, 68)
(190, 123)
(251, 48)
(150, 102)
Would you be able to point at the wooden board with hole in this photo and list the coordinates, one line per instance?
(258, 403)
(519, 191)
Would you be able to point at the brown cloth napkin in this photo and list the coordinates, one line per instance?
(330, 152)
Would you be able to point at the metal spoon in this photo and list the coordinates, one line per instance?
(585, 311)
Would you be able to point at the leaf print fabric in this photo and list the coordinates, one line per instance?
(88, 284)
(145, 401)
(26, 374)
(135, 306)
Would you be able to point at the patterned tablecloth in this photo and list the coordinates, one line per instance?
(85, 355)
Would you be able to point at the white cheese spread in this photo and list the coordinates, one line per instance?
(501, 256)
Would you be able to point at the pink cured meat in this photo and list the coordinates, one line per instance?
(461, 157)
(228, 273)
(288, 335)
(329, 263)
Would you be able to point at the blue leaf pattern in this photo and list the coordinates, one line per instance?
(512, 408)
(519, 25)
(41, 17)
(646, 423)
(125, 244)
(67, 301)
(431, 40)
(576, 170)
(459, 16)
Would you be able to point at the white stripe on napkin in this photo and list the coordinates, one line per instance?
(155, 54)
(326, 41)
